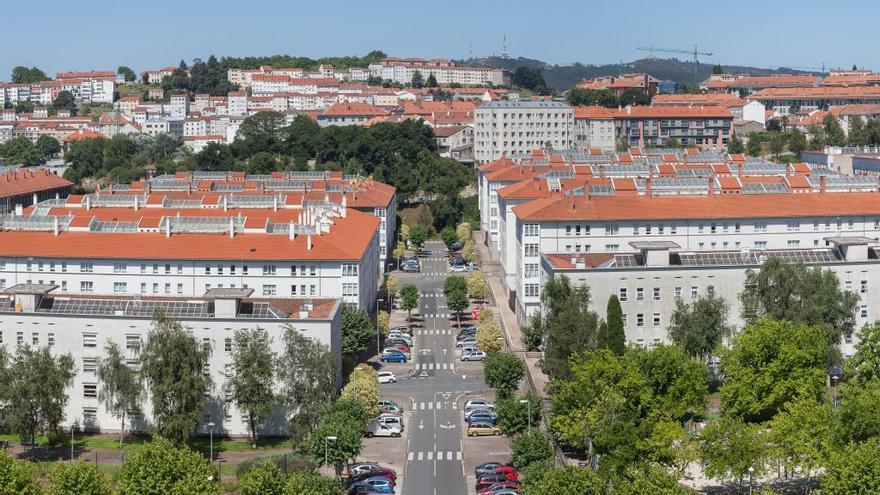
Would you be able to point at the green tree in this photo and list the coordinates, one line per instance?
(700, 327)
(24, 75)
(503, 371)
(800, 435)
(793, 292)
(358, 332)
(489, 338)
(568, 325)
(431, 82)
(77, 478)
(383, 321)
(309, 483)
(121, 389)
(172, 366)
(568, 480)
(529, 78)
(735, 145)
(729, 448)
(856, 420)
(17, 477)
(86, 158)
(347, 425)
(20, 151)
(864, 365)
(36, 390)
(47, 146)
(127, 73)
(262, 479)
(610, 334)
(417, 80)
(777, 143)
(514, 415)
(306, 372)
(532, 332)
(797, 142)
(464, 232)
(477, 286)
(469, 252)
(818, 140)
(448, 236)
(418, 235)
(529, 448)
(457, 301)
(769, 364)
(855, 470)
(409, 300)
(262, 131)
(858, 134)
(649, 480)
(24, 106)
(391, 289)
(716, 69)
(160, 468)
(64, 101)
(753, 146)
(251, 384)
(833, 132)
(363, 388)
(399, 251)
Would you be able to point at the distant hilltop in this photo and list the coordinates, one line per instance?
(563, 77)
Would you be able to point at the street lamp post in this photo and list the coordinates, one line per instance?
(326, 440)
(210, 426)
(528, 404)
(71, 441)
(751, 471)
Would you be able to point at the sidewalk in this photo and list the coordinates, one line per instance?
(492, 269)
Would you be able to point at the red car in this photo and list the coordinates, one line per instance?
(490, 479)
(401, 347)
(508, 471)
(505, 485)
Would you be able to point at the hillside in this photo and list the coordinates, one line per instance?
(563, 77)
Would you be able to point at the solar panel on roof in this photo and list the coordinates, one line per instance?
(601, 190)
(202, 225)
(764, 188)
(113, 226)
(34, 223)
(226, 187)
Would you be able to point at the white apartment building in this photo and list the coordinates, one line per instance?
(594, 128)
(445, 72)
(515, 128)
(81, 326)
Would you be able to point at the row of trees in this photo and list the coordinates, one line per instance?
(605, 98)
(21, 151)
(124, 158)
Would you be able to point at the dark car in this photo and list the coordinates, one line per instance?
(393, 357)
(410, 267)
(362, 488)
(486, 468)
(457, 261)
(378, 473)
(488, 480)
(499, 488)
(482, 418)
(456, 246)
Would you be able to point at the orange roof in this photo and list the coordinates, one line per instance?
(79, 135)
(708, 112)
(26, 181)
(594, 113)
(830, 92)
(722, 99)
(357, 109)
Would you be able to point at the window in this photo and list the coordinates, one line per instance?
(227, 344)
(864, 287)
(179, 289)
(90, 365)
(244, 270)
(533, 230)
(119, 268)
(119, 287)
(611, 247)
(168, 288)
(90, 416)
(848, 285)
(760, 226)
(761, 244)
(640, 294)
(143, 287)
(50, 339)
(293, 290)
(86, 286)
(349, 269)
(167, 268)
(35, 338)
(531, 290)
(51, 266)
(207, 269)
(133, 342)
(155, 288)
(90, 340)
(179, 269)
(695, 291)
(268, 290)
(678, 293)
(640, 320)
(219, 269)
(30, 265)
(143, 268)
(86, 267)
(656, 319)
(864, 312)
(611, 229)
(19, 338)
(155, 268)
(90, 390)
(531, 250)
(792, 243)
(530, 270)
(349, 290)
(312, 291)
(736, 227)
(63, 266)
(622, 294)
(313, 271)
(63, 285)
(268, 270)
(656, 293)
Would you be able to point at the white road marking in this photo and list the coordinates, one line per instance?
(410, 456)
(430, 456)
(440, 455)
(458, 455)
(449, 455)
(439, 405)
(420, 456)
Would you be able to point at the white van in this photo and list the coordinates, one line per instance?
(377, 429)
(390, 420)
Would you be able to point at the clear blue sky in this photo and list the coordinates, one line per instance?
(102, 34)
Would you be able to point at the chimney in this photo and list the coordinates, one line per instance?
(55, 226)
(88, 203)
(711, 186)
(648, 191)
(822, 184)
(274, 202)
(137, 203)
(147, 186)
(225, 204)
(231, 228)
(309, 241)
(167, 227)
(739, 169)
(292, 232)
(18, 210)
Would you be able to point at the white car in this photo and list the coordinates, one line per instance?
(387, 377)
(458, 268)
(478, 403)
(377, 429)
(466, 342)
(474, 356)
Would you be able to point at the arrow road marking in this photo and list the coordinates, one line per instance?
(421, 424)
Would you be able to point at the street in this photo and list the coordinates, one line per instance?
(434, 453)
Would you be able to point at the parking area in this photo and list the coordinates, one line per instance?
(390, 452)
(476, 450)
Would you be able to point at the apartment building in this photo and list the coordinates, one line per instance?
(594, 128)
(36, 315)
(617, 85)
(746, 84)
(707, 127)
(402, 70)
(515, 128)
(345, 114)
(27, 186)
(750, 111)
(786, 101)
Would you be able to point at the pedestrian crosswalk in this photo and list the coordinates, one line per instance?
(428, 331)
(433, 366)
(435, 315)
(440, 455)
(431, 405)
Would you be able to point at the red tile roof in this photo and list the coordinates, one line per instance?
(27, 181)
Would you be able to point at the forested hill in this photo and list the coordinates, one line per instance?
(563, 77)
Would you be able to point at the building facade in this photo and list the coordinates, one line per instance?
(515, 128)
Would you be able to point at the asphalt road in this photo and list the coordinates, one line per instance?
(434, 452)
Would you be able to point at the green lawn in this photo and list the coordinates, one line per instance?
(199, 444)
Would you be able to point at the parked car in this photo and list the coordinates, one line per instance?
(389, 402)
(477, 402)
(487, 468)
(387, 377)
(468, 349)
(399, 335)
(488, 480)
(482, 418)
(402, 339)
(365, 488)
(474, 356)
(501, 488)
(379, 473)
(377, 429)
(393, 356)
(479, 411)
(399, 347)
(362, 468)
(410, 268)
(391, 409)
(390, 342)
(458, 268)
(399, 328)
(456, 246)
(482, 429)
(457, 260)
(390, 420)
(471, 341)
(466, 334)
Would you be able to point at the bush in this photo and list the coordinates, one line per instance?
(513, 415)
(530, 448)
(503, 371)
(159, 467)
(77, 478)
(284, 462)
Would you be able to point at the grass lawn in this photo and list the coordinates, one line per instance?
(198, 444)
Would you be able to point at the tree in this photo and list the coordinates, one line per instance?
(833, 131)
(532, 333)
(489, 338)
(23, 75)
(853, 470)
(431, 82)
(382, 322)
(716, 69)
(399, 251)
(858, 134)
(793, 292)
(567, 324)
(464, 232)
(405, 232)
(391, 289)
(262, 131)
(262, 479)
(77, 478)
(638, 481)
(160, 467)
(172, 366)
(36, 390)
(856, 420)
(418, 235)
(469, 253)
(121, 389)
(753, 146)
(700, 327)
(513, 415)
(477, 286)
(797, 142)
(20, 151)
(800, 435)
(818, 139)
(529, 448)
(610, 335)
(863, 366)
(735, 145)
(309, 483)
(529, 78)
(567, 480)
(503, 371)
(729, 448)
(251, 384)
(47, 146)
(448, 236)
(769, 364)
(409, 300)
(126, 73)
(358, 332)
(344, 419)
(24, 106)
(64, 101)
(417, 80)
(777, 143)
(457, 300)
(306, 372)
(17, 476)
(363, 388)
